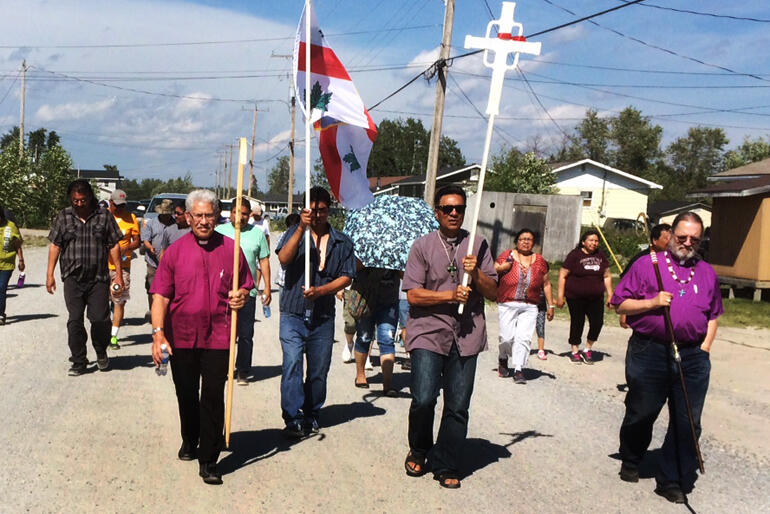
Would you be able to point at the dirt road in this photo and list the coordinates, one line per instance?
(108, 441)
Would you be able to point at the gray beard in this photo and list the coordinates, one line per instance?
(681, 255)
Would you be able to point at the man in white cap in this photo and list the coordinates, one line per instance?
(130, 228)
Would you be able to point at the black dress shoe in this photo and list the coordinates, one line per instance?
(187, 452)
(294, 431)
(209, 474)
(628, 473)
(672, 493)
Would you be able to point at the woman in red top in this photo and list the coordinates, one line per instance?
(583, 279)
(523, 274)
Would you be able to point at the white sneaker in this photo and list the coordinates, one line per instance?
(368, 366)
(347, 355)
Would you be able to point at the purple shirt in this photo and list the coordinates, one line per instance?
(435, 328)
(197, 279)
(693, 305)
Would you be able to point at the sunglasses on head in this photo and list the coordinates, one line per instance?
(447, 209)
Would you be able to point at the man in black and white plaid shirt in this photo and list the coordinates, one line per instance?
(82, 237)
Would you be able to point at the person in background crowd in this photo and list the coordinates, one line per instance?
(254, 248)
(176, 230)
(290, 220)
(82, 237)
(691, 291)
(262, 223)
(152, 234)
(129, 242)
(542, 314)
(523, 275)
(10, 247)
(349, 327)
(381, 286)
(193, 290)
(659, 237)
(403, 316)
(307, 315)
(583, 279)
(443, 344)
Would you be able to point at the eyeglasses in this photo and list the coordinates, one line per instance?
(683, 239)
(200, 216)
(178, 213)
(447, 209)
(322, 210)
(526, 239)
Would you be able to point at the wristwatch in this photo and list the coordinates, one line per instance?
(156, 330)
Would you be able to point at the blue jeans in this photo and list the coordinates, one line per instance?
(384, 320)
(303, 401)
(5, 276)
(653, 378)
(245, 330)
(455, 374)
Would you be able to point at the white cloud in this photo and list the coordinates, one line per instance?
(72, 111)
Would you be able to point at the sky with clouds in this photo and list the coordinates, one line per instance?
(160, 87)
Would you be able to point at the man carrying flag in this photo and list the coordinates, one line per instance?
(347, 132)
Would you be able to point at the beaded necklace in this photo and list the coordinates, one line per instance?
(673, 274)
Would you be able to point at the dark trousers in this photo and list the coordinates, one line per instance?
(94, 295)
(5, 276)
(245, 330)
(202, 416)
(148, 278)
(431, 372)
(579, 309)
(653, 378)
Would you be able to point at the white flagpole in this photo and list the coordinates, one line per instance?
(504, 44)
(308, 109)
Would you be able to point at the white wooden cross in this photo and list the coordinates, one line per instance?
(503, 45)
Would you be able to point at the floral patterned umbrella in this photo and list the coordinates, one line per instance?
(384, 230)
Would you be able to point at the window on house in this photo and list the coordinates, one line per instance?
(587, 196)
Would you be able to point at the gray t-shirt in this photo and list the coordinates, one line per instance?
(152, 231)
(436, 327)
(171, 234)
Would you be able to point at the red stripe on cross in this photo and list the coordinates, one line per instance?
(323, 61)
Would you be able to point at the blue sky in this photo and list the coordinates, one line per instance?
(152, 132)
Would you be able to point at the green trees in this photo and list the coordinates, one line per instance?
(752, 150)
(278, 177)
(401, 148)
(33, 185)
(516, 172)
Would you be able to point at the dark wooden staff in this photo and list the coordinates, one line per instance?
(678, 359)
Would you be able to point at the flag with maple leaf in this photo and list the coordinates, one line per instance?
(347, 132)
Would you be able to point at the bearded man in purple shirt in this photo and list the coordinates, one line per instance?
(443, 344)
(192, 291)
(691, 290)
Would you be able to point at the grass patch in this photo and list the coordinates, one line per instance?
(740, 312)
(35, 242)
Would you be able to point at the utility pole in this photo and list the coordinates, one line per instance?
(253, 138)
(442, 69)
(23, 98)
(230, 173)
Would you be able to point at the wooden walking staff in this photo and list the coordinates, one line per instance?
(242, 160)
(678, 359)
(504, 44)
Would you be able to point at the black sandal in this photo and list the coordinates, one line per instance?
(362, 385)
(445, 476)
(415, 461)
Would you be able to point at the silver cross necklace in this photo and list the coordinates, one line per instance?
(452, 268)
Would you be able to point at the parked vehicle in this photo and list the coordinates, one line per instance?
(177, 198)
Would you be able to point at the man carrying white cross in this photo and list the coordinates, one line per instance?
(443, 340)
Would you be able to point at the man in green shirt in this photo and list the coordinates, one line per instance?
(255, 249)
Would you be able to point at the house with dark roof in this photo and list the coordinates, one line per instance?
(664, 211)
(739, 246)
(106, 181)
(466, 177)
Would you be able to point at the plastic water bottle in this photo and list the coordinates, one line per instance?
(265, 308)
(163, 368)
(20, 282)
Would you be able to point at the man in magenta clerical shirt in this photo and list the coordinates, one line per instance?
(691, 290)
(192, 291)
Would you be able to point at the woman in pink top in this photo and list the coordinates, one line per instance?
(523, 274)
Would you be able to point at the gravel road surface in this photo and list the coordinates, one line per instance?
(108, 441)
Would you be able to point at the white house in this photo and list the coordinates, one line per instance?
(606, 192)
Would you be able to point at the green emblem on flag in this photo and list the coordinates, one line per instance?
(318, 99)
(350, 158)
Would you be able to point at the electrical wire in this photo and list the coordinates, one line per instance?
(540, 103)
(10, 88)
(708, 14)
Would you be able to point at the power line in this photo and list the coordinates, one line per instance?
(224, 42)
(656, 47)
(708, 14)
(505, 136)
(540, 103)
(10, 88)
(563, 25)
